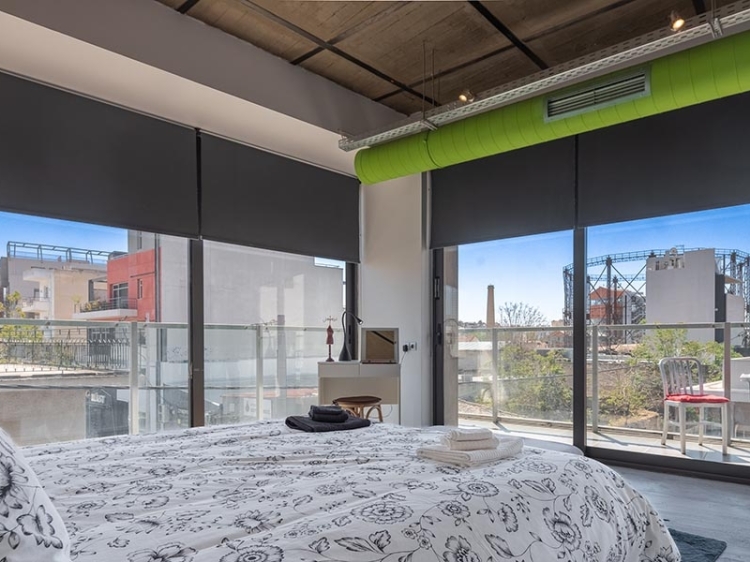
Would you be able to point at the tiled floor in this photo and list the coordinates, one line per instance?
(639, 442)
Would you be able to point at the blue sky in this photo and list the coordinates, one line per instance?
(529, 269)
(38, 230)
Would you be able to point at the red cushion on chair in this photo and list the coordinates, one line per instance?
(697, 398)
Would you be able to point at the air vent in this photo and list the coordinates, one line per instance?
(615, 91)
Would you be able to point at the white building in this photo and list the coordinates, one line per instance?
(687, 287)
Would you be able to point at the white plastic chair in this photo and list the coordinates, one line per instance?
(680, 376)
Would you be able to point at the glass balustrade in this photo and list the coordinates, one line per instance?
(67, 380)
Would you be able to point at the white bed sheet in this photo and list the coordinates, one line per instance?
(262, 492)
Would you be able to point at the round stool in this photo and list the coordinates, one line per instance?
(357, 404)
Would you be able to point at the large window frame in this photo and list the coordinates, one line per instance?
(677, 465)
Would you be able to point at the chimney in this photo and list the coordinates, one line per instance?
(490, 306)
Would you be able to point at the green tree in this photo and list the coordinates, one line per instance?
(635, 386)
(9, 333)
(534, 382)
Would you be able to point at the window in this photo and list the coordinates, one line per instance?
(508, 329)
(68, 282)
(140, 288)
(265, 315)
(120, 295)
(672, 282)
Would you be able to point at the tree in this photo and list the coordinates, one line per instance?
(11, 308)
(520, 314)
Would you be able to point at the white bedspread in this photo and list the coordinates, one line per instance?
(264, 493)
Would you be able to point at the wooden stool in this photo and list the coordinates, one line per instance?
(357, 404)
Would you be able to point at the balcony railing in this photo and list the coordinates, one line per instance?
(524, 375)
(76, 379)
(119, 303)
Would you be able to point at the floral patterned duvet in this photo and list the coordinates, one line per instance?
(264, 493)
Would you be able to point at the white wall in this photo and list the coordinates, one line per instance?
(684, 294)
(394, 281)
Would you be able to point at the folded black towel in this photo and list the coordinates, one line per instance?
(327, 410)
(329, 414)
(335, 418)
(306, 424)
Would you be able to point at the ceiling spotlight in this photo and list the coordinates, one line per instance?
(466, 96)
(675, 21)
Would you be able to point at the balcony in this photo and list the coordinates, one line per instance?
(36, 305)
(37, 275)
(107, 309)
(520, 380)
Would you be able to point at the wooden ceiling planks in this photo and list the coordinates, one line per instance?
(347, 74)
(531, 18)
(235, 18)
(499, 69)
(607, 29)
(328, 20)
(406, 103)
(396, 45)
(378, 48)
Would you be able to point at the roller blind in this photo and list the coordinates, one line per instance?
(69, 157)
(686, 160)
(259, 199)
(526, 191)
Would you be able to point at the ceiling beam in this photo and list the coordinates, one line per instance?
(335, 50)
(186, 5)
(539, 35)
(501, 27)
(361, 26)
(534, 37)
(451, 70)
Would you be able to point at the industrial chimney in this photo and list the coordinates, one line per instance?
(490, 306)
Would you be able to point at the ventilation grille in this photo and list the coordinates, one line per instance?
(596, 97)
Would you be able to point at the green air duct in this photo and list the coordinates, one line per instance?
(711, 71)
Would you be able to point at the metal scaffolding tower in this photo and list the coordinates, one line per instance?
(607, 283)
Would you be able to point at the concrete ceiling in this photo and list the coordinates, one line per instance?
(414, 55)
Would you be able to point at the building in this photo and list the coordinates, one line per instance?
(613, 306)
(128, 291)
(688, 287)
(53, 281)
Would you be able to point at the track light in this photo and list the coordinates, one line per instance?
(676, 22)
(466, 96)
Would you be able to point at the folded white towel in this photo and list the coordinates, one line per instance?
(490, 443)
(508, 448)
(468, 434)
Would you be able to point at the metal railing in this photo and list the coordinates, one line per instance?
(108, 304)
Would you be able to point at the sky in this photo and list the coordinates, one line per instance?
(529, 269)
(38, 230)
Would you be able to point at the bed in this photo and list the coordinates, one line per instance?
(261, 492)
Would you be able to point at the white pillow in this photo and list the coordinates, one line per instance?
(31, 530)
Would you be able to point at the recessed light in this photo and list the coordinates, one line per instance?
(466, 96)
(676, 22)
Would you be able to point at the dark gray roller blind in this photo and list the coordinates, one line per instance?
(259, 199)
(526, 191)
(687, 160)
(69, 157)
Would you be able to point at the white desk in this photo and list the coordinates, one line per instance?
(352, 378)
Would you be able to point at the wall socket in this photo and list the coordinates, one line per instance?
(409, 346)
